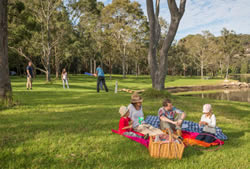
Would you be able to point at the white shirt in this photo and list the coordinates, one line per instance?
(134, 115)
(64, 76)
(211, 121)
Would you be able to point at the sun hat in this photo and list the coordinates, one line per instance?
(135, 98)
(123, 110)
(207, 108)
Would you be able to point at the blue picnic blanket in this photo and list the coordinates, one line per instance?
(186, 125)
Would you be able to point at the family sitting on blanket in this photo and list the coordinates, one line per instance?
(166, 114)
(171, 120)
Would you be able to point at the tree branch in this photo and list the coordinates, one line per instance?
(182, 7)
(173, 8)
(150, 11)
(20, 52)
(157, 6)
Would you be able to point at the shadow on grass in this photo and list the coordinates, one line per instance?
(234, 139)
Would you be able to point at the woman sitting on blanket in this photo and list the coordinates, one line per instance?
(125, 127)
(136, 113)
(208, 120)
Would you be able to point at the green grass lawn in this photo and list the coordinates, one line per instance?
(55, 128)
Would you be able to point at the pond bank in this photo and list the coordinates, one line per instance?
(226, 85)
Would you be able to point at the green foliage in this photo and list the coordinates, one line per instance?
(244, 67)
(84, 33)
(153, 93)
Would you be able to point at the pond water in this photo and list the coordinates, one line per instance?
(242, 95)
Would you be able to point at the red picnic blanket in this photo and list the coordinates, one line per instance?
(188, 139)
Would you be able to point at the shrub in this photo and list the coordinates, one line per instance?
(153, 93)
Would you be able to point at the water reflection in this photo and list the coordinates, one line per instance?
(242, 95)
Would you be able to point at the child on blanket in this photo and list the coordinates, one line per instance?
(208, 120)
(125, 127)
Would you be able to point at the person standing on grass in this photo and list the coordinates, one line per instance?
(100, 78)
(64, 77)
(29, 71)
(171, 118)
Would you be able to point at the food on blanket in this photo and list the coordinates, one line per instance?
(165, 138)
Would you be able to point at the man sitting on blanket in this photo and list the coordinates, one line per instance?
(171, 118)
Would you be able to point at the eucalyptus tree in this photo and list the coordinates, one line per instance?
(231, 48)
(23, 28)
(62, 34)
(122, 19)
(158, 67)
(199, 48)
(45, 11)
(185, 59)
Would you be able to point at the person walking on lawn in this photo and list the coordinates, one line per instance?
(100, 78)
(29, 71)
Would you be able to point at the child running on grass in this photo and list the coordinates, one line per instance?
(208, 120)
(125, 124)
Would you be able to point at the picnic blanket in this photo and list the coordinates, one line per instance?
(186, 126)
(139, 140)
(189, 140)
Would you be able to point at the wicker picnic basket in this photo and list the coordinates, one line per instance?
(163, 149)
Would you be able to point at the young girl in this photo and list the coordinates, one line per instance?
(208, 120)
(125, 127)
(64, 77)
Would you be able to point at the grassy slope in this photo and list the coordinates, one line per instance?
(56, 128)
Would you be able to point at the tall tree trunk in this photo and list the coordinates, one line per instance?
(101, 63)
(124, 62)
(158, 69)
(184, 70)
(95, 66)
(91, 66)
(5, 86)
(227, 69)
(136, 68)
(202, 67)
(221, 68)
(110, 69)
(48, 50)
(57, 63)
